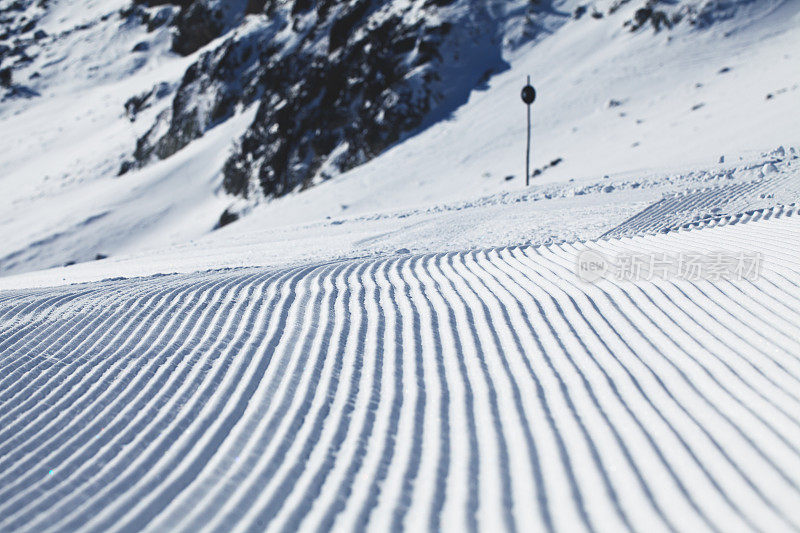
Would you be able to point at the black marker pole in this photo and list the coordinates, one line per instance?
(528, 152)
(528, 96)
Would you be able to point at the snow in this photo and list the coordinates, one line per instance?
(408, 345)
(466, 157)
(464, 389)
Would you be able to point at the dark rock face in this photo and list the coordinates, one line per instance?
(343, 108)
(208, 94)
(5, 77)
(198, 22)
(665, 14)
(203, 21)
(140, 102)
(162, 13)
(17, 25)
(18, 28)
(227, 217)
(337, 82)
(648, 14)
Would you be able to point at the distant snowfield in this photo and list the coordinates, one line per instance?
(459, 390)
(276, 236)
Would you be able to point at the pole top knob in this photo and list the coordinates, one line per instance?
(528, 94)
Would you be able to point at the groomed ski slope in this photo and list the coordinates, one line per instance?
(701, 206)
(479, 390)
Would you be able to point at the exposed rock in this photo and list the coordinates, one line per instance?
(137, 104)
(6, 77)
(666, 14)
(202, 21)
(354, 78)
(160, 18)
(152, 14)
(125, 167)
(227, 217)
(657, 18)
(337, 82)
(207, 95)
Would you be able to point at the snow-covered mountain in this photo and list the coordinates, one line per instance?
(336, 83)
(139, 125)
(339, 82)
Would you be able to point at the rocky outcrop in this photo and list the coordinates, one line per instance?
(665, 14)
(210, 90)
(336, 82)
(340, 109)
(198, 22)
(18, 36)
(203, 21)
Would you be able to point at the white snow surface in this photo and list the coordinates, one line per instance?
(457, 391)
(407, 345)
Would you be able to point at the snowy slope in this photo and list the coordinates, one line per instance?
(578, 71)
(281, 234)
(407, 344)
(61, 201)
(459, 390)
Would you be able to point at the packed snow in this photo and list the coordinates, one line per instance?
(456, 390)
(412, 344)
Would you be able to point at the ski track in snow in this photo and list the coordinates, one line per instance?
(726, 203)
(460, 390)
